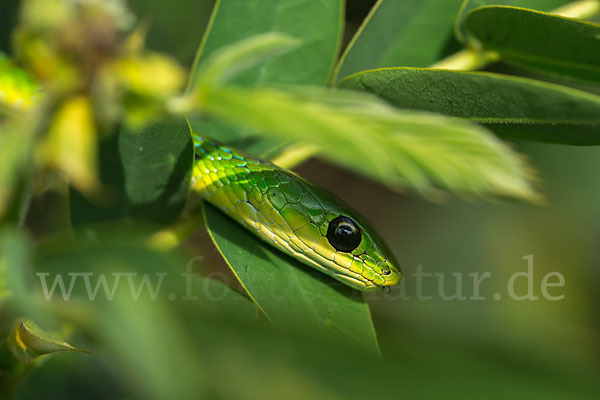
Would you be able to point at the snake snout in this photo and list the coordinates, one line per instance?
(390, 273)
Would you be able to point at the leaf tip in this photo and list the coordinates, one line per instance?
(27, 342)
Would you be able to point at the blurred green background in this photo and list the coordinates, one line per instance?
(435, 348)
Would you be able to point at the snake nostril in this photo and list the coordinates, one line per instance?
(385, 269)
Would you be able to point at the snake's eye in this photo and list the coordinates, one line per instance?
(343, 234)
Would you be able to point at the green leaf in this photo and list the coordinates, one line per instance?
(136, 327)
(28, 341)
(4, 287)
(289, 293)
(14, 261)
(177, 26)
(145, 173)
(412, 33)
(317, 24)
(24, 342)
(397, 148)
(141, 340)
(14, 153)
(469, 5)
(513, 108)
(227, 64)
(539, 41)
(215, 298)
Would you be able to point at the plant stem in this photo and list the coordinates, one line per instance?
(579, 9)
(467, 59)
(294, 155)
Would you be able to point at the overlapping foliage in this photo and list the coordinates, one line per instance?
(94, 116)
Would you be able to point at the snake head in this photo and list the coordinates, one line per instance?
(367, 264)
(320, 230)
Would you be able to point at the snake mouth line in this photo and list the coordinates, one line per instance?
(365, 286)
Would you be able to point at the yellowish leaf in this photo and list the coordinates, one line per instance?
(151, 74)
(18, 90)
(70, 146)
(27, 341)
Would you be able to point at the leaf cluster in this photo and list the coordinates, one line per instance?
(96, 128)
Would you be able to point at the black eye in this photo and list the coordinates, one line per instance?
(343, 234)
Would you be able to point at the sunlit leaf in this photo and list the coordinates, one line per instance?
(512, 107)
(395, 147)
(226, 65)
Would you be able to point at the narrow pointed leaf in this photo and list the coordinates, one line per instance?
(418, 150)
(514, 108)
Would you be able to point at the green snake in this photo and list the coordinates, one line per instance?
(275, 204)
(297, 217)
